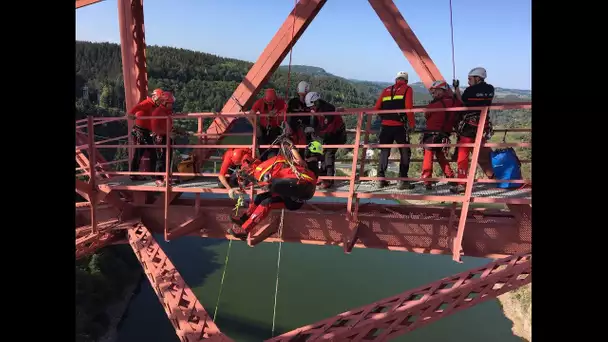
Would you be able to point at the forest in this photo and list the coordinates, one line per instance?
(203, 82)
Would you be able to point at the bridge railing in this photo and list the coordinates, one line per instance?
(361, 141)
(359, 159)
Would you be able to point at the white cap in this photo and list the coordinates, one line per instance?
(479, 72)
(303, 87)
(402, 74)
(311, 98)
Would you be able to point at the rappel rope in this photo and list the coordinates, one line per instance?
(276, 286)
(452, 33)
(239, 203)
(293, 29)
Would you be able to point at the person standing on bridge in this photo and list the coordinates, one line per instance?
(299, 123)
(331, 129)
(438, 128)
(232, 159)
(269, 127)
(161, 134)
(478, 94)
(290, 184)
(396, 127)
(142, 130)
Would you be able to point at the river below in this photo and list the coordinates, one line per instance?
(315, 282)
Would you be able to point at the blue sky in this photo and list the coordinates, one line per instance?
(346, 38)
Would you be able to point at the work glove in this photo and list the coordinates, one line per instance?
(456, 84)
(233, 193)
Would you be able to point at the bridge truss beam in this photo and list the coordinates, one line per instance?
(185, 312)
(287, 36)
(418, 229)
(394, 316)
(133, 51)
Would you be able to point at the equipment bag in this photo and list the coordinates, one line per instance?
(506, 166)
(186, 166)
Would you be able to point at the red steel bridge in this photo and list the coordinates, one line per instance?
(118, 210)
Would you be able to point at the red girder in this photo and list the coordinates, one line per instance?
(187, 315)
(82, 3)
(417, 229)
(410, 310)
(276, 50)
(287, 35)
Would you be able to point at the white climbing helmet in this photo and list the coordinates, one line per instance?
(311, 98)
(303, 87)
(439, 85)
(479, 72)
(403, 75)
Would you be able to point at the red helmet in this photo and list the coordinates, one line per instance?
(167, 99)
(270, 95)
(156, 95)
(240, 155)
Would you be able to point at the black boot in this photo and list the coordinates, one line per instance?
(405, 185)
(240, 235)
(239, 221)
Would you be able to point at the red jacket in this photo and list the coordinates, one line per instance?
(264, 108)
(398, 96)
(442, 121)
(159, 126)
(227, 159)
(277, 167)
(144, 108)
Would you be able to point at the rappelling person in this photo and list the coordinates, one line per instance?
(142, 130)
(160, 133)
(478, 94)
(269, 127)
(396, 127)
(231, 161)
(330, 129)
(299, 123)
(290, 183)
(438, 128)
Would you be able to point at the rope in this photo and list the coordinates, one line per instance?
(452, 32)
(217, 303)
(239, 203)
(293, 29)
(276, 286)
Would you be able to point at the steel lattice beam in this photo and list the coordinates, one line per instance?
(82, 3)
(133, 51)
(274, 53)
(304, 12)
(187, 315)
(407, 41)
(410, 310)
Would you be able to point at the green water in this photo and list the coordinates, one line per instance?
(315, 282)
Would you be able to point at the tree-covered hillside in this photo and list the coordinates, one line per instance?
(203, 82)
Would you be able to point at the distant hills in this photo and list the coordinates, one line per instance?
(501, 93)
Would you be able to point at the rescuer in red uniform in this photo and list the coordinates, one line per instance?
(290, 184)
(232, 159)
(438, 128)
(330, 128)
(299, 123)
(396, 127)
(478, 94)
(269, 127)
(160, 133)
(142, 130)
